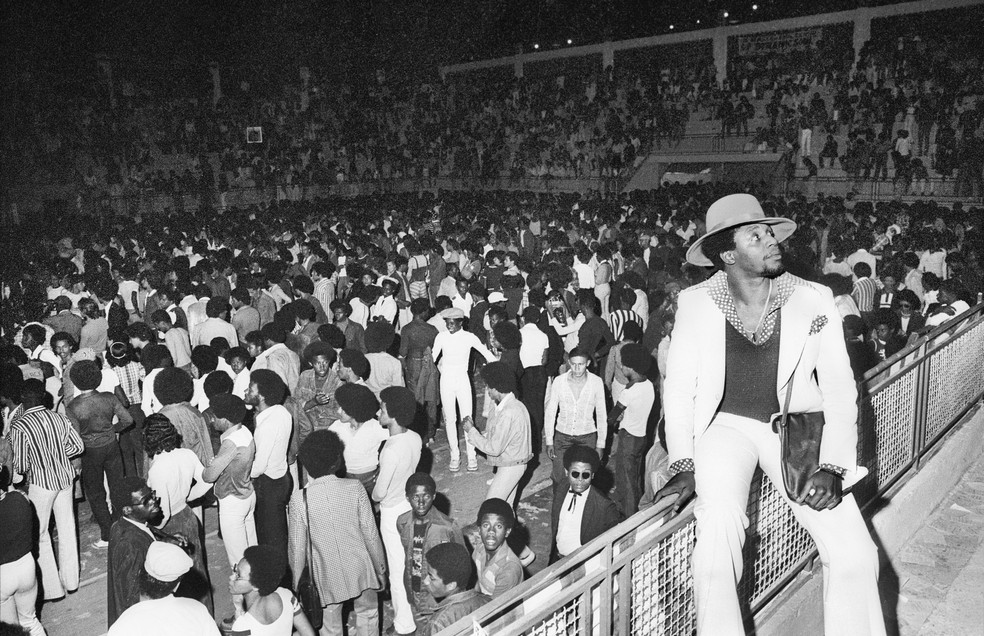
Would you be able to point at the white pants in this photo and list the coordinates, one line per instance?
(19, 593)
(806, 139)
(456, 390)
(396, 562)
(506, 482)
(238, 525)
(726, 457)
(63, 575)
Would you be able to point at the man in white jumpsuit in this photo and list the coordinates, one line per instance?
(452, 350)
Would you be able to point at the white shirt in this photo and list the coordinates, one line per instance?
(109, 381)
(360, 313)
(638, 400)
(272, 435)
(127, 287)
(569, 523)
(534, 343)
(361, 444)
(385, 308)
(464, 303)
(585, 275)
(568, 332)
(863, 256)
(240, 383)
(938, 319)
(165, 617)
(581, 415)
(171, 475)
(641, 307)
(934, 262)
(454, 349)
(149, 403)
(46, 355)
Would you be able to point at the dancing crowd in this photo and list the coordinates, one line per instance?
(292, 365)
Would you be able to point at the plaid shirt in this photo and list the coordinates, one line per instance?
(130, 376)
(347, 552)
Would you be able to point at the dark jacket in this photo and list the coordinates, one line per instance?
(916, 322)
(600, 515)
(128, 546)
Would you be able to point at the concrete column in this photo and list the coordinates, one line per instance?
(721, 54)
(862, 31)
(607, 55)
(518, 65)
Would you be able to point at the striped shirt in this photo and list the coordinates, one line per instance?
(43, 441)
(618, 318)
(864, 293)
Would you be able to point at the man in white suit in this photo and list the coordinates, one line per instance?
(739, 340)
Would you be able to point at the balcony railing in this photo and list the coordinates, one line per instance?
(636, 578)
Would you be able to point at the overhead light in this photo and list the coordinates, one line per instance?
(725, 14)
(698, 21)
(755, 7)
(671, 27)
(536, 46)
(570, 41)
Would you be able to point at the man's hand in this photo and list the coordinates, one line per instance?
(467, 423)
(822, 491)
(683, 485)
(550, 452)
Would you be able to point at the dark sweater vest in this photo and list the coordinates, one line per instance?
(750, 375)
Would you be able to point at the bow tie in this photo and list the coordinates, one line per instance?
(573, 503)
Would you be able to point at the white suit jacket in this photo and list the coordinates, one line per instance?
(810, 335)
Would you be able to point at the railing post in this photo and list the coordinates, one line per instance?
(920, 407)
(605, 592)
(624, 615)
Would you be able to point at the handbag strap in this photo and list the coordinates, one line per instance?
(789, 394)
(785, 407)
(310, 548)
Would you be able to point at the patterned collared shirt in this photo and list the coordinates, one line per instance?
(717, 287)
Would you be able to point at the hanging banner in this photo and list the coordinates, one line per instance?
(781, 42)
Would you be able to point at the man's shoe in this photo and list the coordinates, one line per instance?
(455, 465)
(473, 465)
(100, 544)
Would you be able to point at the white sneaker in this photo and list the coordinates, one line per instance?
(100, 544)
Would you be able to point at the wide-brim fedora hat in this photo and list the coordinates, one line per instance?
(734, 211)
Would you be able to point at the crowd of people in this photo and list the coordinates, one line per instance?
(909, 108)
(316, 134)
(291, 364)
(912, 102)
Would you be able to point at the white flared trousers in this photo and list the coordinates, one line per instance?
(726, 456)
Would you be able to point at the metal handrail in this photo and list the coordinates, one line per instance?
(916, 345)
(636, 577)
